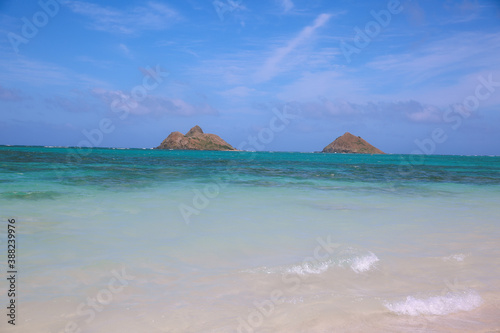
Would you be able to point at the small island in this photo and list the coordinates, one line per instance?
(350, 144)
(195, 139)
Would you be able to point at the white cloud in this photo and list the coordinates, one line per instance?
(272, 66)
(152, 16)
(427, 113)
(152, 105)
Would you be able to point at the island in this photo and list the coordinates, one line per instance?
(351, 144)
(195, 139)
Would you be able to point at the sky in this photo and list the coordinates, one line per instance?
(287, 75)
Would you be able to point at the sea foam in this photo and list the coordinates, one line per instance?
(364, 263)
(309, 268)
(455, 257)
(437, 305)
(358, 263)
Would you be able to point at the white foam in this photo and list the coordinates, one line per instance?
(309, 268)
(455, 257)
(359, 264)
(295, 300)
(364, 263)
(437, 305)
(349, 258)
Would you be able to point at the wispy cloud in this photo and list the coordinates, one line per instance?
(39, 73)
(445, 69)
(126, 51)
(287, 5)
(153, 105)
(310, 85)
(426, 113)
(78, 101)
(151, 16)
(444, 54)
(272, 66)
(464, 11)
(240, 92)
(95, 62)
(402, 111)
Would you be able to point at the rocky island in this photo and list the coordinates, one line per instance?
(350, 144)
(195, 139)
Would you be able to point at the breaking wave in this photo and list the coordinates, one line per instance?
(359, 263)
(437, 305)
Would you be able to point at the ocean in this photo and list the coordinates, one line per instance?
(142, 240)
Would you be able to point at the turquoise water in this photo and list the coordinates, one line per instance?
(252, 242)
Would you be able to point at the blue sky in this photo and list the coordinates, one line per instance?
(406, 76)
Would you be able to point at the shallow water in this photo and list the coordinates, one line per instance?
(169, 241)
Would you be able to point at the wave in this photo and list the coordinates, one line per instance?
(359, 263)
(455, 257)
(437, 305)
(309, 268)
(364, 263)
